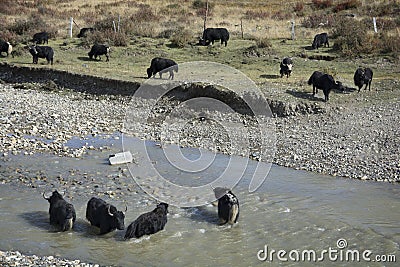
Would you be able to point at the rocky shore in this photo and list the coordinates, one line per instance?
(16, 258)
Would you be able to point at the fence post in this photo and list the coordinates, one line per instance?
(205, 16)
(293, 33)
(375, 28)
(71, 22)
(241, 27)
(119, 21)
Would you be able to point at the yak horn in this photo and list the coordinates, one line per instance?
(109, 212)
(126, 208)
(47, 198)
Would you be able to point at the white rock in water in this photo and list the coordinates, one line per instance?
(120, 158)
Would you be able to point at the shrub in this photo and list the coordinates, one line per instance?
(352, 37)
(144, 14)
(181, 38)
(348, 4)
(321, 4)
(34, 23)
(263, 42)
(200, 7)
(250, 14)
(106, 37)
(317, 20)
(299, 8)
(389, 43)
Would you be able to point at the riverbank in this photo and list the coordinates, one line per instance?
(360, 142)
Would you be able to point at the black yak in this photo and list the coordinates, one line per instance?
(42, 52)
(162, 65)
(320, 40)
(41, 38)
(363, 76)
(99, 50)
(228, 206)
(286, 67)
(212, 34)
(61, 212)
(325, 82)
(5, 47)
(148, 223)
(105, 216)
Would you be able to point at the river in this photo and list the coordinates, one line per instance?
(305, 216)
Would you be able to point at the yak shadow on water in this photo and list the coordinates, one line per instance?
(39, 219)
(270, 76)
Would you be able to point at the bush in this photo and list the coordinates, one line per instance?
(30, 25)
(107, 37)
(389, 43)
(348, 4)
(250, 15)
(321, 4)
(352, 37)
(263, 42)
(316, 20)
(181, 38)
(200, 7)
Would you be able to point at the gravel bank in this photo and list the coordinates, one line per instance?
(355, 142)
(15, 258)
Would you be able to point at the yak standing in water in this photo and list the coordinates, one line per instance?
(61, 212)
(148, 223)
(228, 206)
(105, 216)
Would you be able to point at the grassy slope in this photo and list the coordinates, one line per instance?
(130, 63)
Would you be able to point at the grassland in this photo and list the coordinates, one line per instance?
(266, 19)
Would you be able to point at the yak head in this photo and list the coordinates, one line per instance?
(162, 208)
(54, 197)
(117, 216)
(33, 50)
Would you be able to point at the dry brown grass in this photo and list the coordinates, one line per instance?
(260, 18)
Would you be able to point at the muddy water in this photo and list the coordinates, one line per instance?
(292, 210)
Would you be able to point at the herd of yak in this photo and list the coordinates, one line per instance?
(319, 80)
(108, 218)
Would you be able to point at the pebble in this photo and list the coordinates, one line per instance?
(16, 258)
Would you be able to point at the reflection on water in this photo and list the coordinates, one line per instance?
(293, 210)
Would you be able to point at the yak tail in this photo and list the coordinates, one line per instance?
(68, 224)
(70, 218)
(176, 68)
(130, 232)
(233, 214)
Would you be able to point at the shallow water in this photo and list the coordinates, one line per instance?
(292, 210)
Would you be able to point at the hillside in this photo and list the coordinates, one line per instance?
(260, 38)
